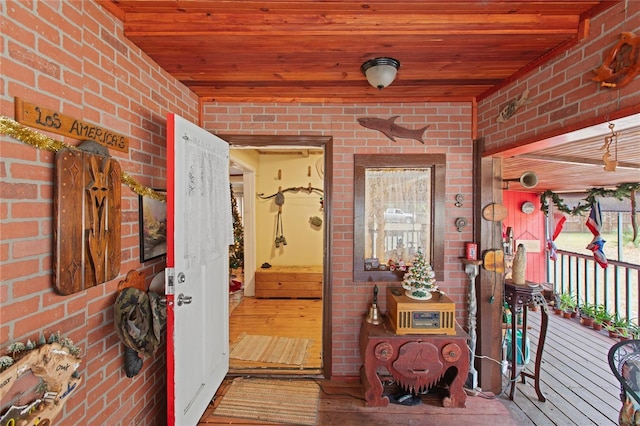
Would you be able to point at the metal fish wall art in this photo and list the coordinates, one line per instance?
(392, 130)
(513, 106)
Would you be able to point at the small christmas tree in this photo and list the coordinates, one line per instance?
(420, 280)
(236, 250)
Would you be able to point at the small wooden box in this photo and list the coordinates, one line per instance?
(294, 282)
(409, 316)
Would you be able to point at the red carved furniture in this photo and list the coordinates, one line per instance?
(416, 362)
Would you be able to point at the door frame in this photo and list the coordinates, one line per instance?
(325, 142)
(249, 225)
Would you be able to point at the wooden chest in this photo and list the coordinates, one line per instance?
(293, 282)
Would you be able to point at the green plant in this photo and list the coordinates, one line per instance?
(611, 327)
(588, 310)
(602, 315)
(568, 302)
(621, 324)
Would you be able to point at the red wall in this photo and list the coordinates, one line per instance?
(71, 57)
(527, 227)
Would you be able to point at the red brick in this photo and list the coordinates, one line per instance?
(38, 320)
(13, 230)
(14, 270)
(18, 191)
(30, 248)
(33, 285)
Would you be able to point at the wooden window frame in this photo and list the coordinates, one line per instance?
(437, 164)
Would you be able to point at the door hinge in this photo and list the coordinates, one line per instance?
(169, 288)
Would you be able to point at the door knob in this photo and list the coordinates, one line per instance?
(182, 299)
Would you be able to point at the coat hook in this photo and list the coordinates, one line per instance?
(279, 174)
(309, 171)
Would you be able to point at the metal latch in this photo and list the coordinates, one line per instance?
(169, 288)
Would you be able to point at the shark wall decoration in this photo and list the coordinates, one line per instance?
(392, 130)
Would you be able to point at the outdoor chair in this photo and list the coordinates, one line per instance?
(624, 360)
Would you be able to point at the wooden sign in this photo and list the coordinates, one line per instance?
(55, 367)
(54, 122)
(494, 261)
(495, 212)
(530, 246)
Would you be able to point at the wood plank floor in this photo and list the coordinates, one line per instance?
(282, 318)
(576, 380)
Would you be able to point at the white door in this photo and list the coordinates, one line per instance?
(199, 232)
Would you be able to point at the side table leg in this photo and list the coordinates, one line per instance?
(457, 396)
(523, 341)
(541, 339)
(372, 387)
(514, 357)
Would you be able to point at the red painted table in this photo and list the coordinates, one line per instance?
(416, 362)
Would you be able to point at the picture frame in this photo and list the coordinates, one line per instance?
(153, 227)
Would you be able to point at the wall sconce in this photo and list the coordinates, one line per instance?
(380, 72)
(527, 180)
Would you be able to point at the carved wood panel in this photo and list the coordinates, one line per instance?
(87, 220)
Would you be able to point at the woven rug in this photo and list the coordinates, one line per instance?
(278, 401)
(281, 350)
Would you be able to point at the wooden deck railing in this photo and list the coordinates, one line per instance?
(616, 287)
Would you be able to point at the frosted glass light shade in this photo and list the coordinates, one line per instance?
(380, 72)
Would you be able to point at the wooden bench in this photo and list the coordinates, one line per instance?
(292, 282)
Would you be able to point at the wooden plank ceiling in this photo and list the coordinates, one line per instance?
(311, 51)
(293, 50)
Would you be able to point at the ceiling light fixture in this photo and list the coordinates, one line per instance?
(380, 72)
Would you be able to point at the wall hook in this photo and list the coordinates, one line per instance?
(461, 222)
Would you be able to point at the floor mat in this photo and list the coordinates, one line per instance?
(278, 401)
(281, 350)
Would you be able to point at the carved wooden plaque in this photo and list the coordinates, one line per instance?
(87, 220)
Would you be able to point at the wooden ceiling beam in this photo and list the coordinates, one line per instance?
(575, 160)
(333, 43)
(234, 24)
(371, 6)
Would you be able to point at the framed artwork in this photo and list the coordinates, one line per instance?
(153, 227)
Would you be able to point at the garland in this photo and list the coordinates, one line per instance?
(624, 190)
(31, 137)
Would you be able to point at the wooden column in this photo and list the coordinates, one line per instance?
(488, 189)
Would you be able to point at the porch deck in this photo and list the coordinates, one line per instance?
(575, 378)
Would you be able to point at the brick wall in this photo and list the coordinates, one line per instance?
(564, 98)
(449, 133)
(71, 57)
